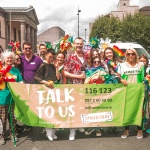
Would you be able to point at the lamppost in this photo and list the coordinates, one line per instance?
(78, 20)
(85, 33)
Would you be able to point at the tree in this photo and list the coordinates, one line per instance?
(132, 28)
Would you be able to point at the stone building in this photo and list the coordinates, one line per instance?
(18, 24)
(52, 35)
(145, 10)
(123, 8)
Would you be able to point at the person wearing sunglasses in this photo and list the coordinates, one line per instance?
(30, 64)
(18, 62)
(95, 75)
(133, 72)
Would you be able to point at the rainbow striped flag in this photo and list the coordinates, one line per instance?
(118, 51)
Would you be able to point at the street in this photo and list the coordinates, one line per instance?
(35, 139)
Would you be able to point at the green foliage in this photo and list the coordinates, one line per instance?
(131, 28)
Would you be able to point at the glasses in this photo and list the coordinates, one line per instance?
(29, 48)
(96, 62)
(130, 54)
(17, 59)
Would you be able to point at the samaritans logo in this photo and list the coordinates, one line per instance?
(97, 117)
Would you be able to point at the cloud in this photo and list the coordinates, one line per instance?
(63, 13)
(66, 18)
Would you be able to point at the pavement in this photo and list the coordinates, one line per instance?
(36, 139)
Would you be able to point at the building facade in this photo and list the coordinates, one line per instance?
(52, 35)
(123, 8)
(145, 10)
(18, 24)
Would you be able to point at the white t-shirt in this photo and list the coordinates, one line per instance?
(133, 74)
(81, 59)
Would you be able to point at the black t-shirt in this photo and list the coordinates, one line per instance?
(45, 72)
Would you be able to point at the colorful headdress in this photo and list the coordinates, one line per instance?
(148, 78)
(104, 43)
(48, 45)
(14, 47)
(94, 42)
(5, 76)
(64, 44)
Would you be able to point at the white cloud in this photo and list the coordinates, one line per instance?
(63, 13)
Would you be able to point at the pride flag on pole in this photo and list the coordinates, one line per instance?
(118, 51)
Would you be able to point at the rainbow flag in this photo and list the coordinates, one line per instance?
(118, 51)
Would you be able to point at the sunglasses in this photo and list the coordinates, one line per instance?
(17, 59)
(96, 62)
(130, 54)
(29, 48)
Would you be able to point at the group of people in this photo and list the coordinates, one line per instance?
(75, 67)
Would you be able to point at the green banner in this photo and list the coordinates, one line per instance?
(78, 105)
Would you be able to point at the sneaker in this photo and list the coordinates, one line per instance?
(89, 131)
(49, 133)
(72, 135)
(125, 134)
(50, 138)
(54, 136)
(81, 130)
(98, 133)
(14, 138)
(2, 141)
(139, 134)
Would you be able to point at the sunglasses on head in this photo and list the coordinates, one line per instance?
(130, 54)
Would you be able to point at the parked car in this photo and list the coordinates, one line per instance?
(124, 46)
